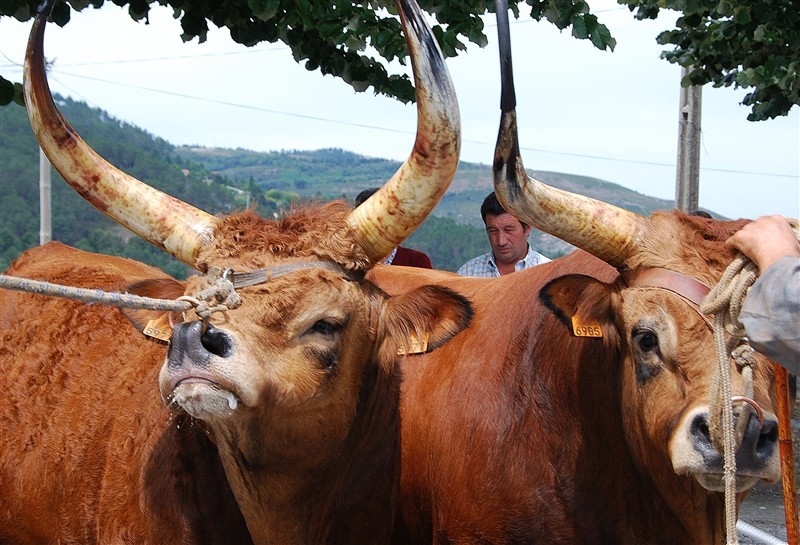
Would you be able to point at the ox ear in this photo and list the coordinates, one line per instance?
(585, 304)
(157, 288)
(422, 320)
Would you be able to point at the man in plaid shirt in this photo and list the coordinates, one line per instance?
(508, 238)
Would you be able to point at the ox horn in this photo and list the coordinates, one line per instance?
(173, 225)
(602, 229)
(391, 214)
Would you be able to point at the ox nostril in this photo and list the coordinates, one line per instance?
(768, 436)
(216, 341)
(700, 430)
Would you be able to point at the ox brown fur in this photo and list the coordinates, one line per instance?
(310, 455)
(519, 432)
(90, 453)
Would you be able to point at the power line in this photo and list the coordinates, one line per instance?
(397, 131)
(177, 57)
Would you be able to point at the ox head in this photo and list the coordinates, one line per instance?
(294, 366)
(649, 317)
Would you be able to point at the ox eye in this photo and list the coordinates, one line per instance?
(325, 327)
(645, 339)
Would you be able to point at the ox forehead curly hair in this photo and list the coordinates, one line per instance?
(310, 231)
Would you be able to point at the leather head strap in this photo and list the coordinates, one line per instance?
(262, 276)
(687, 287)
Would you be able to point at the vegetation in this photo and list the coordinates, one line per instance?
(333, 37)
(74, 221)
(742, 43)
(224, 180)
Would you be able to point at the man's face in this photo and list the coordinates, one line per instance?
(508, 238)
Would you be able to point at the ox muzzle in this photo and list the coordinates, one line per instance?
(187, 377)
(756, 446)
(194, 343)
(693, 451)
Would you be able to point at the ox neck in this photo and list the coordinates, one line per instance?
(344, 494)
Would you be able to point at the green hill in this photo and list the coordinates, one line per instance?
(221, 180)
(74, 221)
(338, 173)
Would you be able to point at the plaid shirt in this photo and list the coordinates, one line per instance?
(484, 265)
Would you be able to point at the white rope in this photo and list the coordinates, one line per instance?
(86, 295)
(219, 297)
(759, 535)
(725, 301)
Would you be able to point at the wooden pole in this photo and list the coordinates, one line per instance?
(687, 177)
(787, 455)
(45, 228)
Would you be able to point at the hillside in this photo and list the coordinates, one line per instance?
(338, 173)
(74, 221)
(222, 180)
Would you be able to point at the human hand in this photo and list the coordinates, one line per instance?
(766, 240)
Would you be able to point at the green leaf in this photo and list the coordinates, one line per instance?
(579, 29)
(61, 13)
(742, 15)
(6, 91)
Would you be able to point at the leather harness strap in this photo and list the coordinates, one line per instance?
(687, 287)
(261, 276)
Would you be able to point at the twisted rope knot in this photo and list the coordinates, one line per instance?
(745, 358)
(220, 296)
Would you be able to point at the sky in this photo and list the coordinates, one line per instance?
(609, 115)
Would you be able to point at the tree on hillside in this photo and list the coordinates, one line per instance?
(744, 43)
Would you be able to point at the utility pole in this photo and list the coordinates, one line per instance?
(45, 229)
(687, 182)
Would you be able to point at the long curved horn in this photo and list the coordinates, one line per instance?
(171, 224)
(602, 229)
(385, 219)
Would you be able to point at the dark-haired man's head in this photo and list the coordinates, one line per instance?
(507, 235)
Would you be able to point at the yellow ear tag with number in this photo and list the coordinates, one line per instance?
(415, 346)
(586, 329)
(159, 328)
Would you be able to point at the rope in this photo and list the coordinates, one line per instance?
(725, 301)
(219, 296)
(85, 295)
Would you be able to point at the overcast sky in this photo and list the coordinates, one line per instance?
(613, 116)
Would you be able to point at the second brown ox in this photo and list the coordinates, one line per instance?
(577, 408)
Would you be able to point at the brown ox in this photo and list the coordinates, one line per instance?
(521, 431)
(283, 411)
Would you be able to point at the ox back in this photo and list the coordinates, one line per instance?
(90, 452)
(517, 431)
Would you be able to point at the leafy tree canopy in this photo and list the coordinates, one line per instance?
(741, 43)
(752, 44)
(333, 37)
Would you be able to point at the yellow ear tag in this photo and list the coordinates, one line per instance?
(159, 328)
(414, 346)
(586, 329)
